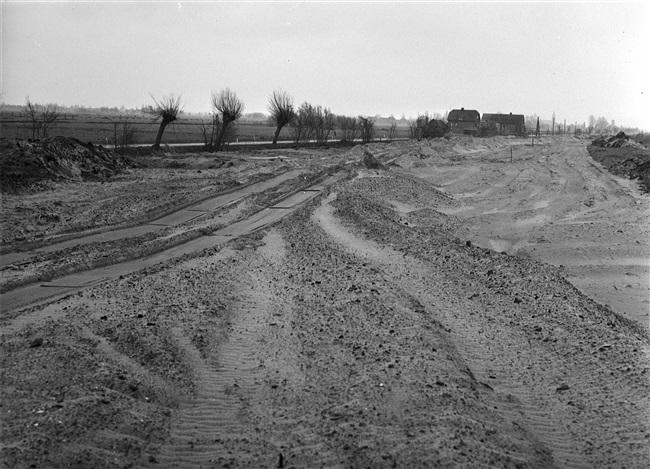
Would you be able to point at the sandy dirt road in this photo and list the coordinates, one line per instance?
(555, 204)
(67, 284)
(356, 332)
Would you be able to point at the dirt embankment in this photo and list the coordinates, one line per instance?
(28, 164)
(355, 333)
(623, 156)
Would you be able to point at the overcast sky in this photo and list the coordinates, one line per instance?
(356, 58)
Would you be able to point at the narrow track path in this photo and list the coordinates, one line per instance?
(21, 297)
(178, 217)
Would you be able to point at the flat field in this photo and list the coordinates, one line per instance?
(103, 129)
(472, 303)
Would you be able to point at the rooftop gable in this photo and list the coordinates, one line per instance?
(465, 115)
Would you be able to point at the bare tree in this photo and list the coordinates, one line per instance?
(418, 126)
(41, 117)
(124, 135)
(349, 127)
(392, 132)
(281, 110)
(312, 123)
(228, 105)
(421, 124)
(210, 130)
(168, 109)
(602, 124)
(304, 123)
(367, 128)
(33, 116)
(413, 128)
(323, 124)
(592, 123)
(529, 121)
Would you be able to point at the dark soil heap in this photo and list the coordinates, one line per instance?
(623, 156)
(617, 141)
(25, 162)
(370, 162)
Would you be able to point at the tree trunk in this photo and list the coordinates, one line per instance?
(161, 129)
(222, 135)
(277, 133)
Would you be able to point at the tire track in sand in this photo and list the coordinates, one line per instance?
(234, 406)
(206, 422)
(530, 410)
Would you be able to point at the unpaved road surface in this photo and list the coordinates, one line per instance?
(555, 204)
(363, 330)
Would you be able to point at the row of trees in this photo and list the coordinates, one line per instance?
(599, 125)
(226, 109)
(307, 123)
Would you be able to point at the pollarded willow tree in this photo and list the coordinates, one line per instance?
(281, 110)
(168, 109)
(230, 108)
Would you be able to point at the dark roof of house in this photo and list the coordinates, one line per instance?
(512, 119)
(462, 114)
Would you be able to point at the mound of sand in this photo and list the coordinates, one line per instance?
(25, 162)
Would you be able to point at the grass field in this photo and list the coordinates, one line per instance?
(103, 130)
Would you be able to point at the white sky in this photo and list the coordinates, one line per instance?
(365, 58)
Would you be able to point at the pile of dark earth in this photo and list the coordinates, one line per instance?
(26, 164)
(623, 156)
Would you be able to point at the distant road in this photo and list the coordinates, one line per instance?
(248, 142)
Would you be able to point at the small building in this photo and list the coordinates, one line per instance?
(435, 128)
(464, 121)
(505, 124)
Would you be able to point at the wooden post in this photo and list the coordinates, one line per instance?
(511, 154)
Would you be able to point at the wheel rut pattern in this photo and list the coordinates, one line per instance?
(497, 354)
(216, 415)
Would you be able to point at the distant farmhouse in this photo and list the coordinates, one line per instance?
(469, 122)
(504, 124)
(464, 121)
